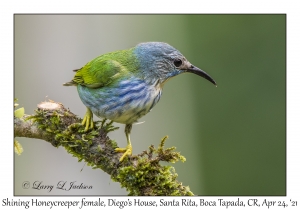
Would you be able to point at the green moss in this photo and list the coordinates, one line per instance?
(148, 177)
(71, 137)
(139, 174)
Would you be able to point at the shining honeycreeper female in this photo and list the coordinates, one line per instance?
(125, 85)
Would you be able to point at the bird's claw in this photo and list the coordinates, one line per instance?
(88, 120)
(127, 151)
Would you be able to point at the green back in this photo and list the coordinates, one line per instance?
(107, 68)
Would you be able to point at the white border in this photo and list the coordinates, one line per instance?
(8, 8)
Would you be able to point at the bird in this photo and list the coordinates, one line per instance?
(125, 85)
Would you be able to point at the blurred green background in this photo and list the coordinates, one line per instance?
(233, 136)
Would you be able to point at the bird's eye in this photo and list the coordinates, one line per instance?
(177, 62)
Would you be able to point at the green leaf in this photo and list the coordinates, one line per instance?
(18, 147)
(19, 112)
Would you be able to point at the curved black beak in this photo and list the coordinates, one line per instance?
(201, 73)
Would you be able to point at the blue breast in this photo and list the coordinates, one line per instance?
(123, 102)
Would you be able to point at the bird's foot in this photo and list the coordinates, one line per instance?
(127, 151)
(88, 120)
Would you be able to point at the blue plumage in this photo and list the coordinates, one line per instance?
(124, 102)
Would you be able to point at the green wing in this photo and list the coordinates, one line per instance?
(99, 73)
(106, 69)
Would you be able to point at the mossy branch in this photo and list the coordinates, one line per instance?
(140, 174)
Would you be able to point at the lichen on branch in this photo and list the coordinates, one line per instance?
(140, 174)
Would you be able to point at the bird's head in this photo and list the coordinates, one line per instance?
(159, 62)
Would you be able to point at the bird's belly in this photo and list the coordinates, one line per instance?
(124, 102)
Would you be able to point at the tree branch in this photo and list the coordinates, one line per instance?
(140, 174)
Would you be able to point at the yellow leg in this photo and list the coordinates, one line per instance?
(88, 120)
(128, 149)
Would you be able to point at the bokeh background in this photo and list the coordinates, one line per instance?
(233, 136)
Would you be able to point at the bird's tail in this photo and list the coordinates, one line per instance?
(72, 83)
